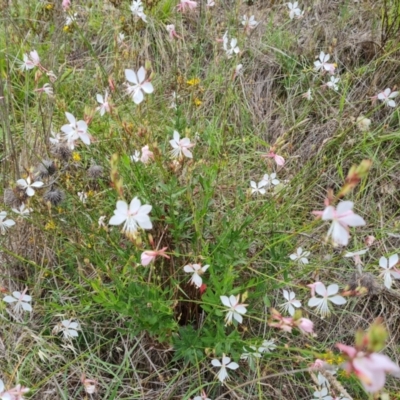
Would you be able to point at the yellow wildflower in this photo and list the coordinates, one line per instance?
(76, 156)
(50, 226)
(193, 81)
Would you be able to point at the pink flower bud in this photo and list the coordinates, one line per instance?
(66, 4)
(305, 325)
(369, 240)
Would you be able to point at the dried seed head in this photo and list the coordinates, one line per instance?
(61, 151)
(95, 172)
(45, 169)
(20, 194)
(54, 196)
(10, 199)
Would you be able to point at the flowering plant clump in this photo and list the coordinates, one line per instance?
(158, 188)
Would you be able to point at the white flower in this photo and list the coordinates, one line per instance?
(291, 303)
(140, 84)
(46, 89)
(238, 69)
(28, 185)
(322, 63)
(300, 256)
(307, 95)
(4, 225)
(82, 197)
(388, 272)
(26, 63)
(21, 301)
(234, 308)
(69, 328)
(197, 270)
(267, 346)
(16, 393)
(356, 257)
(258, 187)
(202, 397)
(104, 106)
(294, 10)
(181, 146)
(387, 97)
(134, 216)
(233, 48)
(147, 155)
(120, 38)
(70, 19)
(101, 221)
(328, 294)
(30, 61)
(332, 83)
(270, 180)
(137, 10)
(249, 23)
(4, 395)
(322, 395)
(342, 217)
(250, 356)
(75, 130)
(224, 364)
(173, 101)
(322, 381)
(210, 3)
(136, 156)
(55, 139)
(22, 210)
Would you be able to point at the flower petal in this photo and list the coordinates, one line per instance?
(338, 300)
(130, 76)
(393, 260)
(225, 301)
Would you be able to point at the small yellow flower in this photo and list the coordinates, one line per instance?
(197, 102)
(76, 156)
(49, 6)
(193, 81)
(90, 193)
(50, 226)
(66, 28)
